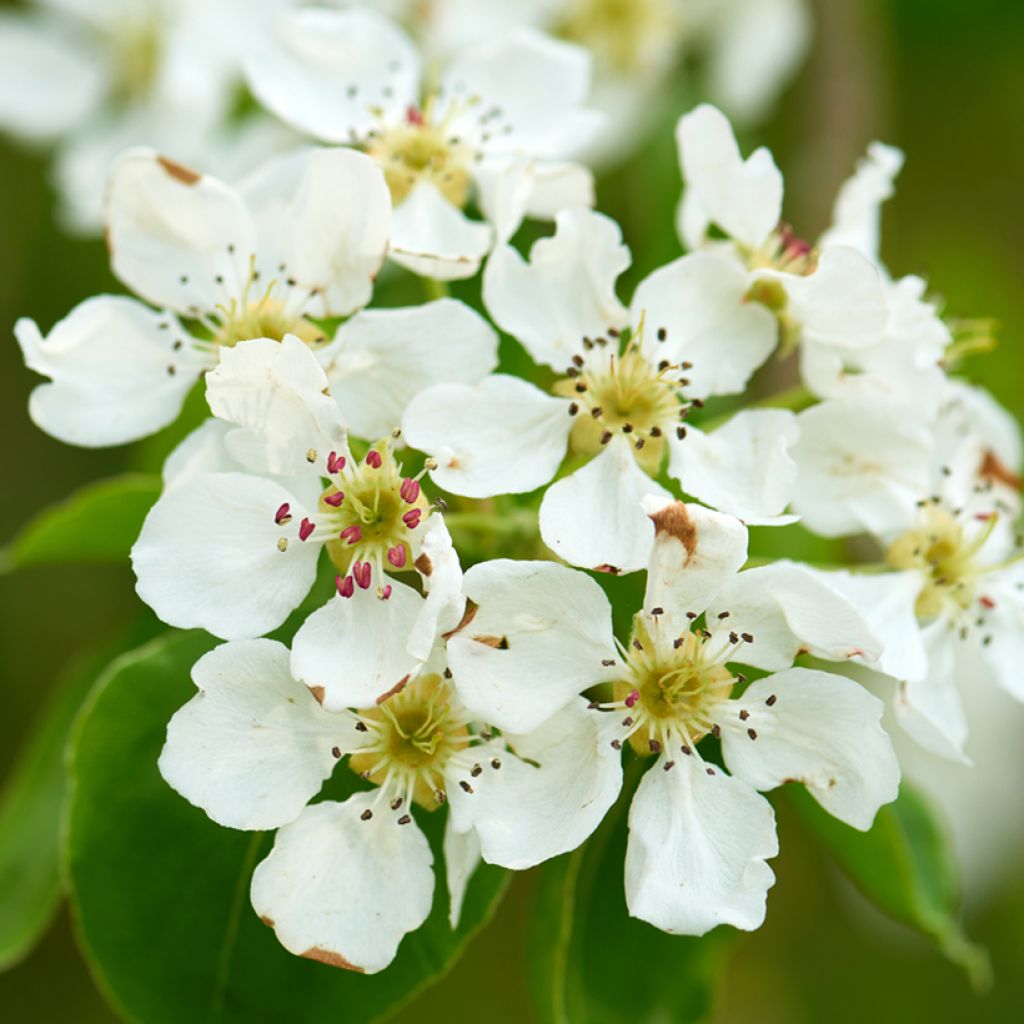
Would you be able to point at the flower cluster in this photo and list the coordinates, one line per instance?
(365, 447)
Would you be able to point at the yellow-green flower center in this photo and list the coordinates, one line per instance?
(672, 689)
(423, 148)
(620, 33)
(414, 734)
(623, 393)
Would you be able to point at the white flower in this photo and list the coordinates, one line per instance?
(860, 333)
(232, 545)
(746, 49)
(952, 611)
(698, 837)
(501, 121)
(303, 240)
(345, 881)
(98, 76)
(863, 465)
(631, 378)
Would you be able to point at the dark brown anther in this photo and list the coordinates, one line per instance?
(680, 432)
(608, 662)
(578, 360)
(639, 646)
(669, 765)
(597, 412)
(655, 431)
(627, 428)
(366, 815)
(495, 763)
(477, 771)
(771, 700)
(752, 733)
(617, 744)
(657, 611)
(662, 334)
(678, 642)
(336, 751)
(716, 730)
(396, 803)
(655, 746)
(404, 819)
(361, 727)
(744, 714)
(465, 786)
(606, 437)
(627, 722)
(573, 408)
(747, 637)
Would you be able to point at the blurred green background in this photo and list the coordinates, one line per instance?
(944, 80)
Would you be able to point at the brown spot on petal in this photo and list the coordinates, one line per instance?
(424, 564)
(468, 616)
(605, 567)
(993, 469)
(318, 692)
(676, 522)
(183, 174)
(397, 688)
(499, 643)
(327, 956)
(268, 921)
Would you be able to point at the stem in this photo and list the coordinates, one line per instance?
(435, 289)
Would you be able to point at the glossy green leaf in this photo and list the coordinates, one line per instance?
(98, 523)
(160, 893)
(905, 866)
(591, 961)
(32, 803)
(30, 812)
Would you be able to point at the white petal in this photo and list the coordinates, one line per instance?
(755, 47)
(696, 554)
(565, 292)
(501, 436)
(382, 358)
(461, 857)
(276, 389)
(822, 730)
(352, 651)
(789, 611)
(116, 375)
(210, 448)
(50, 79)
(885, 601)
(177, 238)
(324, 218)
(594, 518)
(558, 186)
(438, 565)
(841, 303)
(928, 704)
(531, 86)
(696, 303)
(541, 634)
(342, 890)
(862, 466)
(857, 210)
(1004, 652)
(698, 841)
(549, 794)
(327, 72)
(743, 197)
(503, 186)
(433, 238)
(742, 468)
(253, 747)
(208, 556)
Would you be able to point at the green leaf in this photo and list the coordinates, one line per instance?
(905, 867)
(30, 811)
(590, 961)
(160, 893)
(32, 803)
(98, 523)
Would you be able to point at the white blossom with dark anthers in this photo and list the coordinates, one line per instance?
(746, 49)
(233, 543)
(860, 333)
(699, 837)
(631, 379)
(951, 610)
(345, 881)
(302, 241)
(95, 77)
(499, 124)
